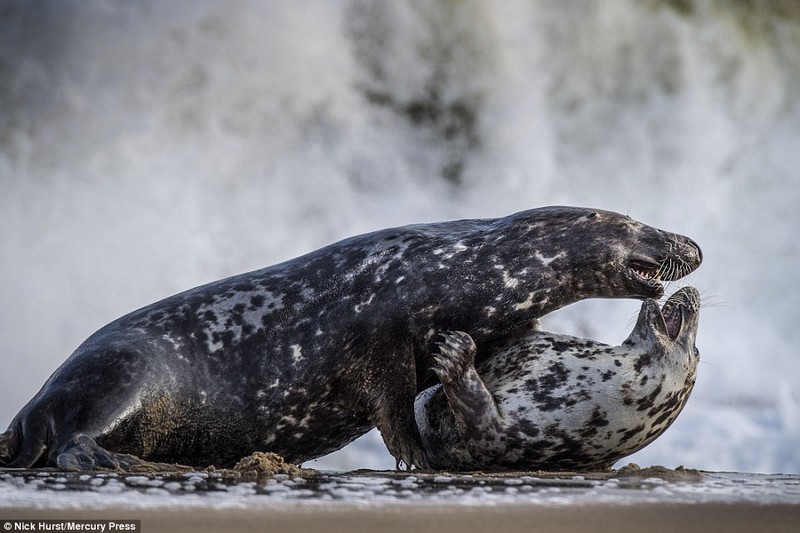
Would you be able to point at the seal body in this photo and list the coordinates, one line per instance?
(553, 402)
(302, 357)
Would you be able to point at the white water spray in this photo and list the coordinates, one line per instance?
(148, 147)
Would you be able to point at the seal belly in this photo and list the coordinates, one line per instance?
(170, 429)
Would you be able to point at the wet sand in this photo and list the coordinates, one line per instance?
(628, 500)
(706, 518)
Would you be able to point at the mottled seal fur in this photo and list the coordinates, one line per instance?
(304, 356)
(554, 402)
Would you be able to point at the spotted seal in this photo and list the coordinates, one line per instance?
(546, 401)
(302, 357)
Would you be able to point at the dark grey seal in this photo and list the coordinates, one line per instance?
(553, 402)
(302, 357)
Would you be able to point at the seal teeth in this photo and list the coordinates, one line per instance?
(646, 271)
(648, 275)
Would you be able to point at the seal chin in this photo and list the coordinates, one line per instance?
(651, 324)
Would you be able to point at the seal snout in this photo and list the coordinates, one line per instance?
(667, 257)
(687, 253)
(683, 258)
(694, 252)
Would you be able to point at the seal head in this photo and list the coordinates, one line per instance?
(670, 329)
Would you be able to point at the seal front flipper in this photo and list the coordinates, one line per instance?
(402, 440)
(391, 398)
(81, 453)
(398, 427)
(474, 409)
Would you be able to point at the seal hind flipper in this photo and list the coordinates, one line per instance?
(22, 446)
(8, 446)
(476, 414)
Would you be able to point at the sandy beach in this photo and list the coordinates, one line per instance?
(706, 518)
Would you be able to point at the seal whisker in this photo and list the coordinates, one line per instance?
(710, 301)
(687, 268)
(670, 274)
(660, 271)
(681, 267)
(677, 271)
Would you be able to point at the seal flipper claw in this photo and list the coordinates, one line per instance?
(405, 445)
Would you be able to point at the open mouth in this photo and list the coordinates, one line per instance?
(672, 312)
(679, 308)
(647, 273)
(645, 269)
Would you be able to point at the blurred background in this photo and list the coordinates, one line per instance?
(148, 147)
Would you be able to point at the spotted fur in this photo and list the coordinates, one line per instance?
(555, 402)
(302, 357)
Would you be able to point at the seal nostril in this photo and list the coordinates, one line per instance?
(697, 249)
